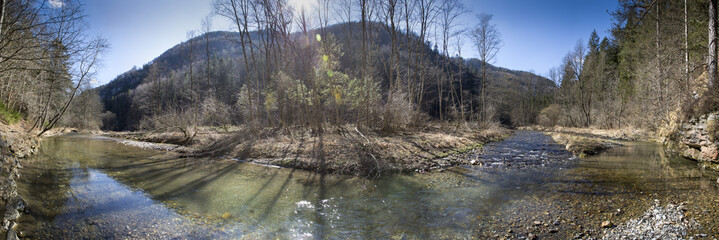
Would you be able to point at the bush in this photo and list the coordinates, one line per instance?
(215, 113)
(9, 116)
(549, 116)
(172, 120)
(398, 112)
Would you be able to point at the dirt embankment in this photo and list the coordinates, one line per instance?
(344, 150)
(15, 143)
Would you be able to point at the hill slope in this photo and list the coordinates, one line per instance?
(172, 73)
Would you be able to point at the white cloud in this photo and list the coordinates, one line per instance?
(56, 3)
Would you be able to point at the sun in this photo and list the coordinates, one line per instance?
(308, 5)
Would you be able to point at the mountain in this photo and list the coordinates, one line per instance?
(124, 95)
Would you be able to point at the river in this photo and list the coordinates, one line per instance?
(83, 186)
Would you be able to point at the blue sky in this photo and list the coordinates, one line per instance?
(536, 34)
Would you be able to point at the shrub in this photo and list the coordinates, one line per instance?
(8, 115)
(398, 112)
(549, 116)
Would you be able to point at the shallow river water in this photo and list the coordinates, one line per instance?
(82, 186)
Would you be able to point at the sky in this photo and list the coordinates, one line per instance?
(535, 34)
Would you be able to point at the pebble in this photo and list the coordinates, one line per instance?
(657, 223)
(607, 224)
(537, 223)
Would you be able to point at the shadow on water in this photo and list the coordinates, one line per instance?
(98, 188)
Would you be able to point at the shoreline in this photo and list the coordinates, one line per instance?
(344, 150)
(15, 145)
(584, 142)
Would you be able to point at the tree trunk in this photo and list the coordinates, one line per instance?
(712, 69)
(686, 50)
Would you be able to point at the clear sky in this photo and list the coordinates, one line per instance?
(536, 34)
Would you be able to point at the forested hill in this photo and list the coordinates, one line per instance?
(181, 78)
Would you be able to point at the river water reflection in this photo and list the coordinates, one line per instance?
(91, 187)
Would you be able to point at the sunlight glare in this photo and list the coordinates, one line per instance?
(308, 5)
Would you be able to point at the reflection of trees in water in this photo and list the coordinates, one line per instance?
(46, 187)
(646, 167)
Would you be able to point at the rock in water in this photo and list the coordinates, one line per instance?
(607, 224)
(11, 235)
(226, 215)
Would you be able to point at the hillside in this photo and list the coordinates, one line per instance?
(121, 95)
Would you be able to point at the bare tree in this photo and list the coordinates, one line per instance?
(206, 27)
(449, 12)
(83, 69)
(487, 41)
(427, 10)
(712, 60)
(238, 12)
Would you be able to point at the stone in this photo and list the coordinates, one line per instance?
(11, 214)
(607, 224)
(11, 235)
(17, 202)
(226, 215)
(537, 223)
(709, 153)
(692, 153)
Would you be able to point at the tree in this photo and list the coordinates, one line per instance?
(712, 59)
(487, 41)
(206, 27)
(449, 12)
(238, 12)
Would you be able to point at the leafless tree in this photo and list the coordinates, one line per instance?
(712, 59)
(487, 41)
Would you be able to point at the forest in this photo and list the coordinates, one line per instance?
(359, 119)
(387, 66)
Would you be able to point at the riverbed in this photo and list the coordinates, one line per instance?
(84, 186)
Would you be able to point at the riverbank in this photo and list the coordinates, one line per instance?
(584, 142)
(697, 138)
(15, 144)
(344, 150)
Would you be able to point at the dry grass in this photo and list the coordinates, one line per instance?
(344, 150)
(583, 146)
(628, 134)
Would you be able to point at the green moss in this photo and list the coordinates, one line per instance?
(8, 115)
